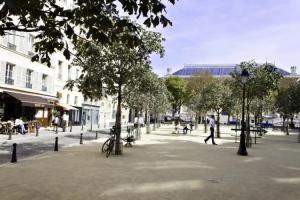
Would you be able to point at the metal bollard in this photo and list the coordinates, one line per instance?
(80, 139)
(14, 154)
(96, 135)
(56, 144)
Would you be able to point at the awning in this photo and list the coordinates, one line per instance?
(66, 106)
(32, 100)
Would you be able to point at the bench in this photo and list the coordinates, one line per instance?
(255, 130)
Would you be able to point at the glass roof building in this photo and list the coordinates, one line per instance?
(216, 70)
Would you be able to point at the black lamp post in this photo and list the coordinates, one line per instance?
(242, 148)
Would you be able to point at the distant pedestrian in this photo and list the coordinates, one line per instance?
(191, 126)
(212, 124)
(185, 129)
(56, 122)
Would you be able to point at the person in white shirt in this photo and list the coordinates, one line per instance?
(212, 124)
(20, 123)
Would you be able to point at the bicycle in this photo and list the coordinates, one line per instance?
(108, 145)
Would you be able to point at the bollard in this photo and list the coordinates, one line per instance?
(9, 135)
(56, 144)
(14, 154)
(80, 139)
(96, 135)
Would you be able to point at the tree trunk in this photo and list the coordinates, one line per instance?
(148, 129)
(159, 121)
(118, 121)
(287, 127)
(205, 124)
(299, 134)
(139, 126)
(154, 122)
(218, 125)
(196, 121)
(228, 119)
(283, 124)
(248, 138)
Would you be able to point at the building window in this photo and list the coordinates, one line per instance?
(28, 78)
(31, 39)
(59, 70)
(69, 72)
(30, 44)
(12, 40)
(75, 100)
(68, 99)
(77, 73)
(9, 73)
(44, 82)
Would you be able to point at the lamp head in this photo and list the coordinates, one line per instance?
(244, 75)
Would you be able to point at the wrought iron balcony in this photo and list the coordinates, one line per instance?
(11, 46)
(44, 88)
(29, 85)
(9, 81)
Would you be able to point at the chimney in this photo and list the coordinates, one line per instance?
(169, 71)
(293, 70)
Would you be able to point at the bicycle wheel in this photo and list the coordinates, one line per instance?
(105, 145)
(110, 148)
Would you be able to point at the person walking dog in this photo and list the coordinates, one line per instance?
(212, 124)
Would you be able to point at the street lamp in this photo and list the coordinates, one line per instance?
(242, 148)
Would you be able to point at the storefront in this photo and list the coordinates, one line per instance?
(73, 113)
(90, 115)
(28, 107)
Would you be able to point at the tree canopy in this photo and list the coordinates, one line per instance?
(177, 87)
(97, 20)
(113, 68)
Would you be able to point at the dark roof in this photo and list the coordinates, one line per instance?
(215, 70)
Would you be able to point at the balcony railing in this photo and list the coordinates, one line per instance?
(44, 88)
(9, 81)
(29, 85)
(11, 46)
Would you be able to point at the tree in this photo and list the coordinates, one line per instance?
(215, 96)
(177, 87)
(195, 86)
(97, 20)
(263, 80)
(113, 68)
(151, 95)
(287, 102)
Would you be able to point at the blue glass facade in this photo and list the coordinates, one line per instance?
(217, 70)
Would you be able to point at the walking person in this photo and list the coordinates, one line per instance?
(212, 124)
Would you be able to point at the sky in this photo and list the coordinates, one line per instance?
(230, 31)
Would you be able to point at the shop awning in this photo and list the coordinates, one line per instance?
(32, 100)
(66, 106)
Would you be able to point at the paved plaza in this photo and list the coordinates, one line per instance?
(161, 166)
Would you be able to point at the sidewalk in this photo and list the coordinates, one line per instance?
(161, 166)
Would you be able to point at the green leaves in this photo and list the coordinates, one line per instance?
(99, 20)
(177, 87)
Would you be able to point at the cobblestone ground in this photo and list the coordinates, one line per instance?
(161, 166)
